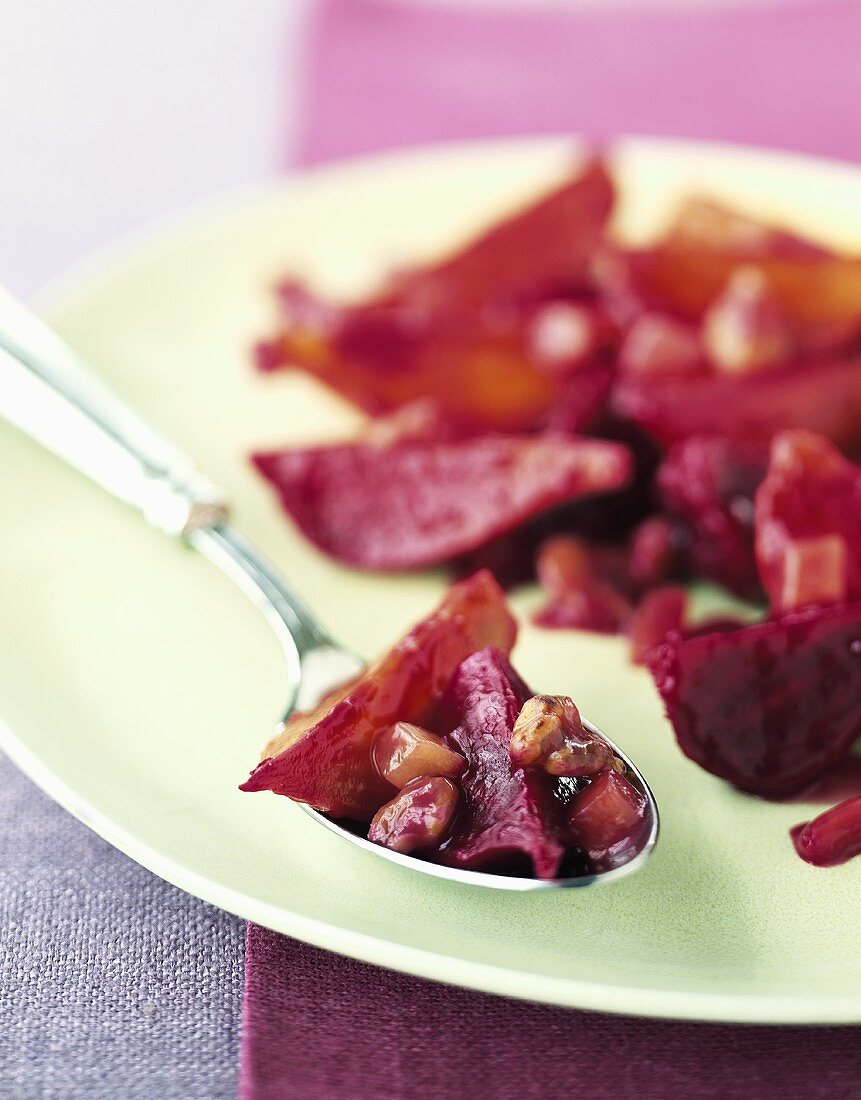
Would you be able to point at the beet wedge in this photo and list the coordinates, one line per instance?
(324, 758)
(509, 815)
(810, 498)
(770, 706)
(421, 503)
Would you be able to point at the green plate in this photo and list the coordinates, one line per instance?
(137, 686)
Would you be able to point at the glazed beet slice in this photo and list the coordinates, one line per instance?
(706, 486)
(324, 758)
(509, 815)
(819, 395)
(421, 503)
(768, 707)
(831, 838)
(459, 330)
(808, 517)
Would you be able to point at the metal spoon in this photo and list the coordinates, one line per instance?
(48, 392)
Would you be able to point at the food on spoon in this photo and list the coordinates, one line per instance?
(549, 734)
(324, 758)
(418, 817)
(440, 749)
(510, 814)
(418, 503)
(404, 752)
(769, 706)
(808, 523)
(832, 837)
(608, 818)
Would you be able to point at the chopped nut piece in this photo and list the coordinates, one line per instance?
(418, 817)
(549, 734)
(404, 752)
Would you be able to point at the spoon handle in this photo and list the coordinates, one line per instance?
(48, 392)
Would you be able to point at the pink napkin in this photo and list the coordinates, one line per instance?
(384, 73)
(380, 74)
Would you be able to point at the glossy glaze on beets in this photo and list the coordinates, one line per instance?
(770, 706)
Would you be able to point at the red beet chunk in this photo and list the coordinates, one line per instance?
(821, 395)
(661, 611)
(608, 819)
(324, 758)
(833, 837)
(509, 815)
(770, 706)
(706, 486)
(421, 503)
(808, 523)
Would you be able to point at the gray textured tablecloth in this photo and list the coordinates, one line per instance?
(113, 984)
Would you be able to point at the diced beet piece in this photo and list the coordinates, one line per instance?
(509, 815)
(549, 734)
(770, 706)
(831, 838)
(814, 571)
(706, 486)
(457, 330)
(324, 758)
(563, 565)
(812, 493)
(745, 329)
(405, 752)
(660, 612)
(821, 395)
(658, 346)
(418, 817)
(417, 503)
(596, 606)
(581, 597)
(654, 552)
(608, 819)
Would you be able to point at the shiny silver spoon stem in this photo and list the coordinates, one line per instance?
(49, 393)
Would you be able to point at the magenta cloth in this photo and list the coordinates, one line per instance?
(382, 73)
(317, 1025)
